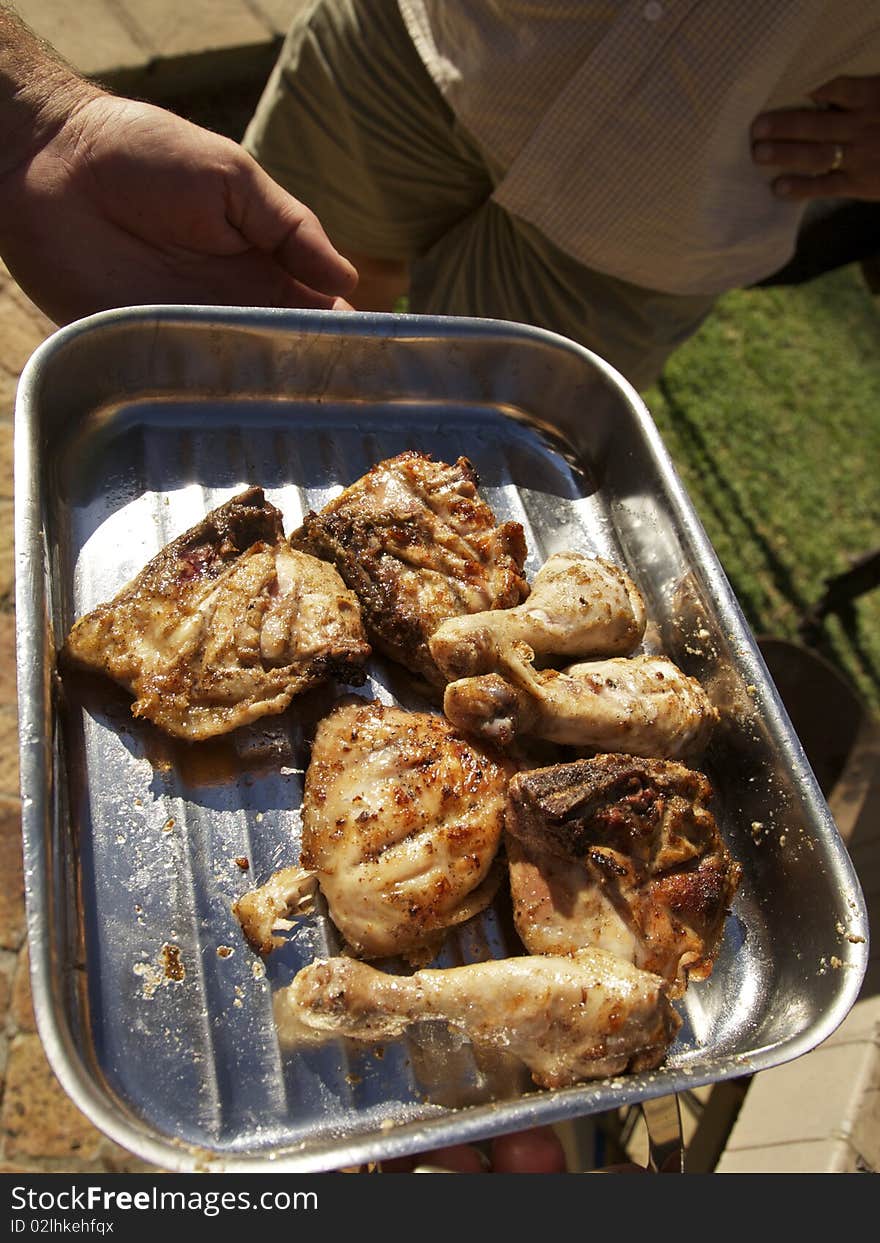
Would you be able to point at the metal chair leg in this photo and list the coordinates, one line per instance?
(665, 1145)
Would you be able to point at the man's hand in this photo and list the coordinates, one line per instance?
(125, 203)
(831, 151)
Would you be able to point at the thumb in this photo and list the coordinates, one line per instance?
(273, 221)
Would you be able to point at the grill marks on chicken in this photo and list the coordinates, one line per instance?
(623, 853)
(417, 544)
(225, 625)
(578, 606)
(567, 1018)
(644, 705)
(402, 819)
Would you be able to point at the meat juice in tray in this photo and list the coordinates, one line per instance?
(150, 842)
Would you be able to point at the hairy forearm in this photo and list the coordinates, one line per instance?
(106, 201)
(38, 92)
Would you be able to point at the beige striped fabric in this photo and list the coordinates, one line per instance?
(621, 129)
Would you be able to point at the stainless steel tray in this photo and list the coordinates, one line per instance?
(130, 425)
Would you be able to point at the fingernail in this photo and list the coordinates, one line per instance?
(783, 187)
(761, 129)
(763, 152)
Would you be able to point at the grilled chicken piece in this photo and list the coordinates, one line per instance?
(272, 908)
(621, 853)
(568, 1019)
(401, 821)
(225, 625)
(643, 705)
(578, 606)
(416, 543)
(558, 908)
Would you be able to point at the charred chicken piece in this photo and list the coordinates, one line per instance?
(644, 705)
(416, 543)
(225, 625)
(578, 606)
(624, 853)
(568, 1018)
(401, 821)
(273, 907)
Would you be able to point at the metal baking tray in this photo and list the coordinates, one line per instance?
(155, 1015)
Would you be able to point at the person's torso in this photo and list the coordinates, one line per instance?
(620, 128)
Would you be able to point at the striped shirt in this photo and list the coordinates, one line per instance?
(620, 128)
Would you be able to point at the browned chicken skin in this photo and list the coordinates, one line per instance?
(402, 819)
(568, 1018)
(225, 625)
(417, 544)
(620, 852)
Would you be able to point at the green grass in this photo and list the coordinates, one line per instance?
(772, 416)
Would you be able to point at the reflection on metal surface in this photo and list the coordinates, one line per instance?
(130, 426)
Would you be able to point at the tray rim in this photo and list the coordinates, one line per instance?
(35, 746)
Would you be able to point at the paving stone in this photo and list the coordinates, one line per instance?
(117, 1161)
(280, 13)
(7, 550)
(12, 921)
(6, 988)
(860, 1027)
(9, 786)
(864, 1132)
(91, 35)
(7, 659)
(8, 388)
(809, 1099)
(871, 982)
(171, 29)
(6, 454)
(819, 1112)
(825, 1156)
(38, 1118)
(22, 1009)
(19, 334)
(43, 325)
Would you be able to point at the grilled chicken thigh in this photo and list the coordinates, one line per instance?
(416, 543)
(578, 606)
(621, 853)
(225, 625)
(401, 821)
(643, 705)
(567, 1018)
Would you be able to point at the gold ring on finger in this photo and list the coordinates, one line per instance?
(837, 159)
